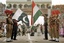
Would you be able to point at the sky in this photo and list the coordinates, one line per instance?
(57, 2)
(3, 1)
(54, 2)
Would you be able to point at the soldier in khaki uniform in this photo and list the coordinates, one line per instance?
(50, 27)
(9, 25)
(54, 28)
(57, 21)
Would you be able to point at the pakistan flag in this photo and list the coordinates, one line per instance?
(21, 16)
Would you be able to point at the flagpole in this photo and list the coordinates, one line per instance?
(32, 16)
(30, 41)
(49, 13)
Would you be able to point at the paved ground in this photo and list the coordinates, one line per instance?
(34, 39)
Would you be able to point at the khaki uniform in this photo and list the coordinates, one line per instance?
(54, 27)
(57, 28)
(9, 27)
(50, 27)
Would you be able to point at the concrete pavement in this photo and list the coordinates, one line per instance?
(32, 39)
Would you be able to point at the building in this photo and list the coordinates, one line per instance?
(2, 15)
(60, 7)
(2, 7)
(26, 5)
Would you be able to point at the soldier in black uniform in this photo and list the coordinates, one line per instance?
(14, 31)
(46, 26)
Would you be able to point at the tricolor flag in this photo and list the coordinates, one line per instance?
(21, 16)
(36, 12)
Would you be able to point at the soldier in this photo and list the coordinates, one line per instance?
(14, 31)
(52, 28)
(46, 26)
(57, 28)
(9, 25)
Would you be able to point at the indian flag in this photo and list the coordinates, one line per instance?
(36, 12)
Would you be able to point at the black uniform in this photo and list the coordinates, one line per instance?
(14, 32)
(46, 26)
